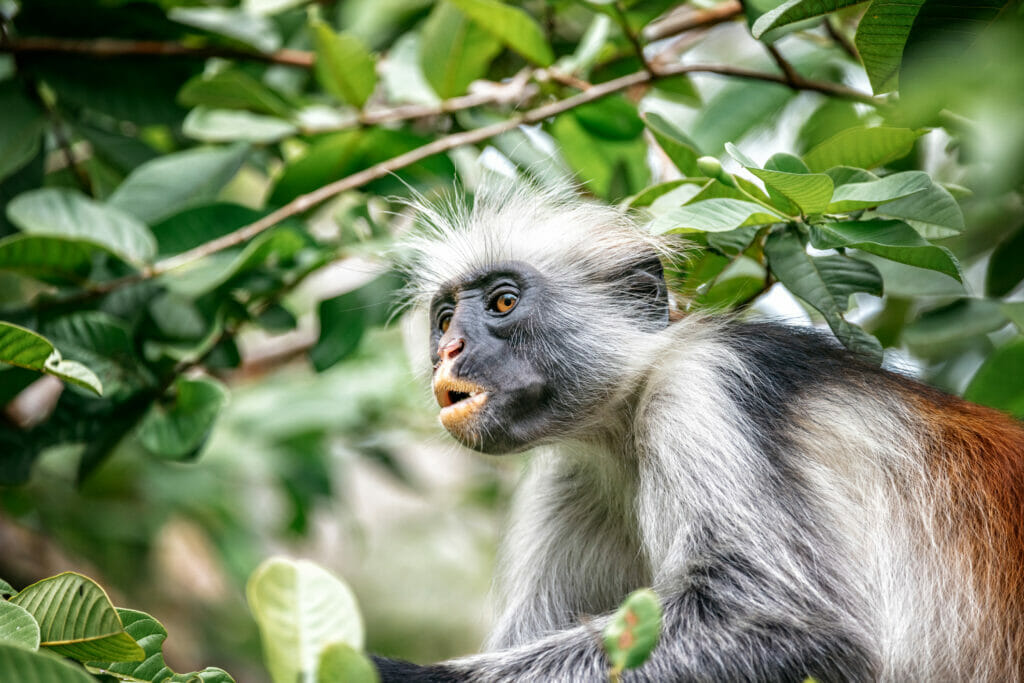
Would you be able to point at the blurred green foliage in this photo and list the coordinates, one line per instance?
(198, 199)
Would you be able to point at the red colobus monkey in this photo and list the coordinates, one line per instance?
(800, 511)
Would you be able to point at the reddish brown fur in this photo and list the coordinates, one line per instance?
(980, 452)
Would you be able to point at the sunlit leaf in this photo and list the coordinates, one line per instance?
(300, 609)
(236, 23)
(862, 148)
(880, 38)
(796, 10)
(17, 626)
(225, 125)
(150, 635)
(61, 212)
(173, 182)
(454, 51)
(854, 196)
(715, 215)
(893, 240)
(933, 212)
(344, 65)
(77, 620)
(808, 191)
(512, 26)
(24, 348)
(340, 663)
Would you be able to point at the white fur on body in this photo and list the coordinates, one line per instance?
(665, 481)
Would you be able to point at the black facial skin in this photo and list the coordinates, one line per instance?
(520, 357)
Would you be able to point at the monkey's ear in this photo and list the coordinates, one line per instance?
(645, 282)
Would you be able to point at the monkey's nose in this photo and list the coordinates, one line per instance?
(452, 349)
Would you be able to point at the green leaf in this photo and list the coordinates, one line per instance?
(862, 148)
(173, 182)
(26, 666)
(344, 319)
(830, 118)
(949, 328)
(934, 213)
(796, 10)
(22, 131)
(77, 620)
(893, 240)
(200, 224)
(654, 192)
(611, 118)
(300, 609)
(196, 279)
(1006, 265)
(880, 38)
(512, 26)
(235, 23)
(24, 348)
(825, 283)
(178, 430)
(810, 192)
(854, 196)
(150, 635)
(17, 627)
(999, 382)
(611, 169)
(6, 590)
(714, 215)
(233, 89)
(61, 212)
(454, 51)
(677, 146)
(735, 111)
(633, 631)
(224, 125)
(1014, 310)
(55, 260)
(340, 663)
(344, 66)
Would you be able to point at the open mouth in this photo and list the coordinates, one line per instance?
(459, 400)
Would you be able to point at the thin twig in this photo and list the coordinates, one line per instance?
(793, 79)
(687, 19)
(620, 15)
(841, 39)
(107, 48)
(309, 200)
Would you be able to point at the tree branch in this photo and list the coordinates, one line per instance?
(688, 19)
(108, 48)
(841, 40)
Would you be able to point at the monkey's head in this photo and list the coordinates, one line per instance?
(537, 303)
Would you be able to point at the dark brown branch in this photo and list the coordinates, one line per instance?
(109, 48)
(793, 79)
(841, 39)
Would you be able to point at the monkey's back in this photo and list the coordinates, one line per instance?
(924, 493)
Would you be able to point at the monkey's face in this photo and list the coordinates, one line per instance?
(520, 357)
(493, 395)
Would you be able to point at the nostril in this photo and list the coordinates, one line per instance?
(452, 349)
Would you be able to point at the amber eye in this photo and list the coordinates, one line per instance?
(445, 322)
(504, 302)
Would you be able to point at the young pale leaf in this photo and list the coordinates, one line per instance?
(715, 215)
(25, 666)
(225, 125)
(999, 382)
(792, 11)
(344, 65)
(22, 131)
(232, 89)
(77, 620)
(235, 23)
(6, 590)
(300, 609)
(150, 635)
(893, 240)
(168, 184)
(853, 196)
(24, 348)
(1006, 267)
(825, 283)
(62, 212)
(340, 663)
(634, 630)
(862, 148)
(179, 430)
(18, 627)
(810, 192)
(454, 51)
(512, 26)
(880, 38)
